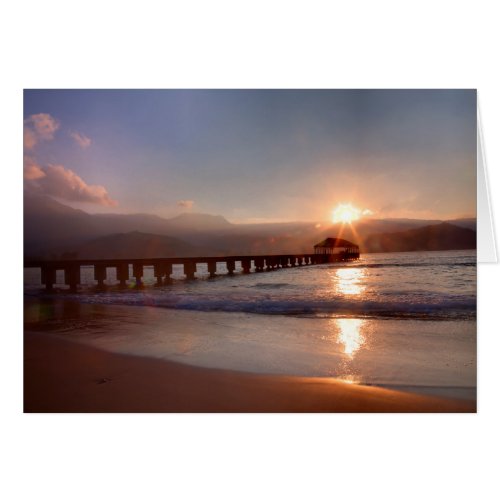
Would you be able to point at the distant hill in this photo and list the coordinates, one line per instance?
(52, 228)
(468, 223)
(137, 245)
(49, 224)
(159, 225)
(444, 236)
(199, 222)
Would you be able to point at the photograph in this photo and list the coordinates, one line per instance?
(249, 250)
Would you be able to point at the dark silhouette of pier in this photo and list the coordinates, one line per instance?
(163, 267)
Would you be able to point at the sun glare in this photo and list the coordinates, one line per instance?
(350, 335)
(346, 213)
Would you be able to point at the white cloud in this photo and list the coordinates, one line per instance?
(57, 180)
(81, 139)
(185, 203)
(29, 138)
(32, 170)
(61, 182)
(37, 128)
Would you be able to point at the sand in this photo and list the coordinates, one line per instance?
(62, 375)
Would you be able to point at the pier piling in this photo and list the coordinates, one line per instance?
(230, 264)
(189, 270)
(100, 275)
(168, 272)
(212, 268)
(159, 271)
(122, 274)
(259, 264)
(163, 267)
(72, 277)
(48, 277)
(138, 273)
(246, 264)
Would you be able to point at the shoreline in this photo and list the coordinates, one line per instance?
(61, 375)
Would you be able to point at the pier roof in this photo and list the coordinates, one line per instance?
(335, 243)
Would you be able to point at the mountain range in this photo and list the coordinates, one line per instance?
(54, 230)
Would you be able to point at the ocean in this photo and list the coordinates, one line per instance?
(400, 320)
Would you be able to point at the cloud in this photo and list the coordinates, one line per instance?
(81, 139)
(29, 138)
(37, 128)
(185, 203)
(61, 182)
(57, 180)
(32, 170)
(367, 212)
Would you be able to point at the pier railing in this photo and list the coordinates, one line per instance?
(163, 267)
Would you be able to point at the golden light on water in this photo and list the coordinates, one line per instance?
(349, 379)
(345, 212)
(350, 334)
(349, 280)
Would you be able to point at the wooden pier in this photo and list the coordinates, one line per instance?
(163, 267)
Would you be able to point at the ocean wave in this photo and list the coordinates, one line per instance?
(271, 286)
(410, 265)
(437, 286)
(444, 309)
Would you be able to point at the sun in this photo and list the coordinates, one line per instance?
(345, 213)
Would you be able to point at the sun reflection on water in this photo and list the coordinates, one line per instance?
(349, 280)
(349, 334)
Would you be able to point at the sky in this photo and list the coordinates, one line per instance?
(254, 155)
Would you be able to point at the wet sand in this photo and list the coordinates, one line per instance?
(62, 375)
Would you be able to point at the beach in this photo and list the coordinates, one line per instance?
(339, 338)
(101, 358)
(61, 375)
